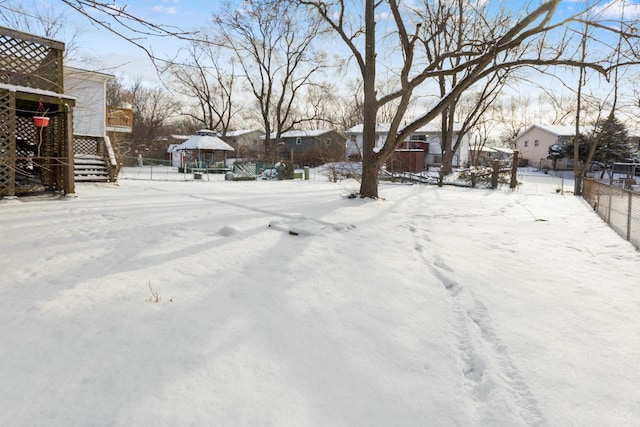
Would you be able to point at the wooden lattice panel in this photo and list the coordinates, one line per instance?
(86, 144)
(38, 155)
(25, 130)
(30, 64)
(7, 143)
(46, 151)
(26, 147)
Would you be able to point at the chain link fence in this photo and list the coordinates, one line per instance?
(618, 205)
(153, 169)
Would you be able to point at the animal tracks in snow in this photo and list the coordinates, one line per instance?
(488, 374)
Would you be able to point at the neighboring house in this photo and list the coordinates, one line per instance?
(425, 144)
(247, 142)
(533, 144)
(95, 124)
(169, 144)
(309, 147)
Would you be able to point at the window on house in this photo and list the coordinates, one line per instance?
(298, 141)
(328, 141)
(536, 143)
(526, 143)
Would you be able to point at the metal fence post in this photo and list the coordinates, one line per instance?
(630, 193)
(609, 204)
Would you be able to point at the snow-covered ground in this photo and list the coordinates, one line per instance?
(212, 302)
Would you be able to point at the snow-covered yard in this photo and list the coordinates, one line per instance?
(213, 302)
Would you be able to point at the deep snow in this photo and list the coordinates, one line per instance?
(431, 307)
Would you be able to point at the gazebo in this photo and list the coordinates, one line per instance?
(200, 152)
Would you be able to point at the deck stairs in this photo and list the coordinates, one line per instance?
(90, 168)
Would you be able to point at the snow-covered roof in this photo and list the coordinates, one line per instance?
(26, 89)
(301, 133)
(484, 149)
(204, 142)
(433, 127)
(503, 150)
(240, 132)
(559, 130)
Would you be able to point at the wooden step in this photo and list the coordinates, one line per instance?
(90, 168)
(91, 171)
(88, 162)
(91, 178)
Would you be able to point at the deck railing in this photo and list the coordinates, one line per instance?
(119, 119)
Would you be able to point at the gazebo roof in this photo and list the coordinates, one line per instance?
(204, 142)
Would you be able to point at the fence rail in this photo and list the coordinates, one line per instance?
(618, 207)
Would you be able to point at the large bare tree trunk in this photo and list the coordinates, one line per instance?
(577, 170)
(370, 177)
(447, 160)
(370, 159)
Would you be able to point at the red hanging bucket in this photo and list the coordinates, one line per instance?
(41, 121)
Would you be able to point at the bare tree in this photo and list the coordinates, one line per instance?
(152, 109)
(448, 27)
(41, 18)
(478, 138)
(324, 105)
(116, 93)
(513, 113)
(505, 42)
(273, 45)
(209, 82)
(116, 19)
(475, 115)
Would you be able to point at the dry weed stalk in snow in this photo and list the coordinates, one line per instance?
(154, 295)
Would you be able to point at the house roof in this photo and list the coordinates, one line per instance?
(301, 133)
(240, 132)
(484, 149)
(558, 130)
(433, 127)
(34, 91)
(76, 72)
(204, 142)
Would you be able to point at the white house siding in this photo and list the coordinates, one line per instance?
(430, 133)
(89, 88)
